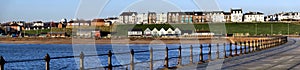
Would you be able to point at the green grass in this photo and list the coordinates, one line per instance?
(262, 28)
(252, 28)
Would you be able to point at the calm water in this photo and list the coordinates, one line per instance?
(12, 52)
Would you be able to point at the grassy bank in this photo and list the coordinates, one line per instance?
(252, 28)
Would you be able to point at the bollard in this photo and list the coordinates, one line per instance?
(131, 59)
(179, 56)
(2, 62)
(47, 59)
(253, 46)
(151, 58)
(209, 52)
(81, 61)
(225, 50)
(249, 47)
(166, 65)
(235, 48)
(201, 54)
(241, 48)
(109, 60)
(245, 47)
(230, 53)
(191, 54)
(218, 53)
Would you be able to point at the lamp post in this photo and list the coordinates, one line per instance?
(271, 29)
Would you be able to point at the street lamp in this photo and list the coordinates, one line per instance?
(271, 29)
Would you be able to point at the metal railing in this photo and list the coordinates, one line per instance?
(245, 47)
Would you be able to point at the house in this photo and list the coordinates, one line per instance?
(162, 32)
(227, 17)
(214, 16)
(169, 33)
(135, 33)
(174, 17)
(128, 18)
(254, 17)
(148, 33)
(155, 32)
(13, 29)
(177, 32)
(198, 17)
(110, 21)
(75, 23)
(152, 18)
(161, 18)
(28, 26)
(236, 15)
(98, 22)
(142, 18)
(38, 25)
(288, 16)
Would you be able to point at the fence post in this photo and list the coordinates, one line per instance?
(131, 59)
(191, 54)
(151, 58)
(253, 46)
(230, 49)
(2, 62)
(218, 53)
(179, 56)
(201, 54)
(241, 48)
(225, 50)
(249, 47)
(109, 60)
(166, 65)
(245, 47)
(209, 53)
(81, 61)
(47, 59)
(235, 48)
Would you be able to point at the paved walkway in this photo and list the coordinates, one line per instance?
(284, 57)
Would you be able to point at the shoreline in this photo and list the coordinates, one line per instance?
(105, 41)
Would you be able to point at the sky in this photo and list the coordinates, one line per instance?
(55, 10)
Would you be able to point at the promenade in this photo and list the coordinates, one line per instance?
(284, 57)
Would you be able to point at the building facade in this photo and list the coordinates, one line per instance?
(236, 15)
(254, 17)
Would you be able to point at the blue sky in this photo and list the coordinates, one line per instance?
(54, 10)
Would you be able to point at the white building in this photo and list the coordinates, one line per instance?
(155, 32)
(236, 15)
(177, 31)
(38, 25)
(286, 16)
(128, 18)
(161, 18)
(162, 32)
(254, 17)
(135, 33)
(142, 18)
(214, 16)
(147, 33)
